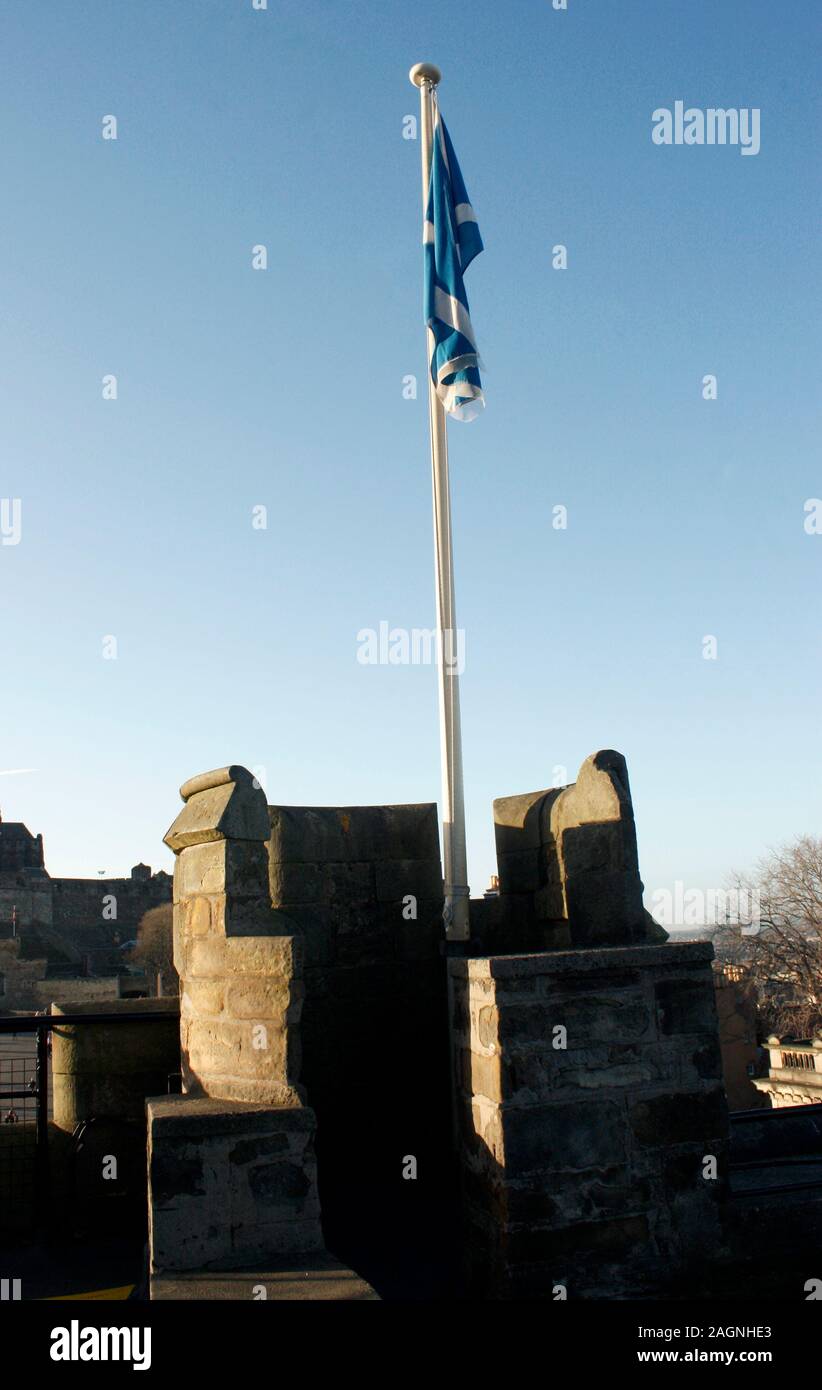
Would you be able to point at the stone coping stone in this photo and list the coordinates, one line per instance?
(314, 1277)
(573, 962)
(218, 777)
(353, 834)
(165, 1004)
(184, 1117)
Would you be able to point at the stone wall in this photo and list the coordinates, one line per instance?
(79, 903)
(66, 918)
(18, 978)
(592, 1123)
(363, 886)
(232, 1172)
(31, 905)
(569, 866)
(104, 1071)
(101, 1074)
(91, 992)
(590, 1097)
(25, 985)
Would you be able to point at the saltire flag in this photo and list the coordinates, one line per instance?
(451, 240)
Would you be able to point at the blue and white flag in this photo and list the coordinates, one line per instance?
(451, 239)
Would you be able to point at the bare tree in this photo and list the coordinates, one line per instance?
(777, 938)
(154, 950)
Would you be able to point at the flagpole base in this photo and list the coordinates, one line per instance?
(456, 912)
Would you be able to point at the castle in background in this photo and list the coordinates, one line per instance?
(68, 929)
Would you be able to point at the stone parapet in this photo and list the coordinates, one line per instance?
(232, 1173)
(238, 960)
(105, 1070)
(230, 1183)
(568, 862)
(593, 1119)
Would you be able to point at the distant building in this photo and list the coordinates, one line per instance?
(27, 985)
(742, 1058)
(71, 924)
(20, 851)
(795, 1072)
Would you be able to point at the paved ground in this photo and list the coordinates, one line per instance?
(318, 1278)
(77, 1269)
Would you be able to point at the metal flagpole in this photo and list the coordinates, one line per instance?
(426, 76)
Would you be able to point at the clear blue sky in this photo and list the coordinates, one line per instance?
(284, 388)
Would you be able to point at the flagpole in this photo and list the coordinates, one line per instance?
(456, 913)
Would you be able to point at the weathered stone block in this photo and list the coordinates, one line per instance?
(519, 871)
(399, 878)
(264, 955)
(204, 958)
(227, 1048)
(360, 935)
(686, 1006)
(481, 1075)
(597, 1018)
(224, 804)
(679, 1119)
(197, 917)
(205, 998)
(348, 883)
(327, 835)
(229, 1183)
(549, 903)
(573, 1141)
(573, 851)
(264, 999)
(571, 1135)
(314, 926)
(705, 1061)
(608, 1239)
(485, 1026)
(100, 1071)
(202, 869)
(293, 883)
(517, 822)
(235, 915)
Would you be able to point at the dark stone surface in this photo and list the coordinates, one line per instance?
(598, 1018)
(275, 1183)
(614, 1239)
(680, 1118)
(175, 1174)
(249, 1149)
(568, 1135)
(686, 1006)
(706, 1061)
(374, 1022)
(177, 1118)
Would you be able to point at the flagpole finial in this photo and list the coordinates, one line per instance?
(425, 72)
